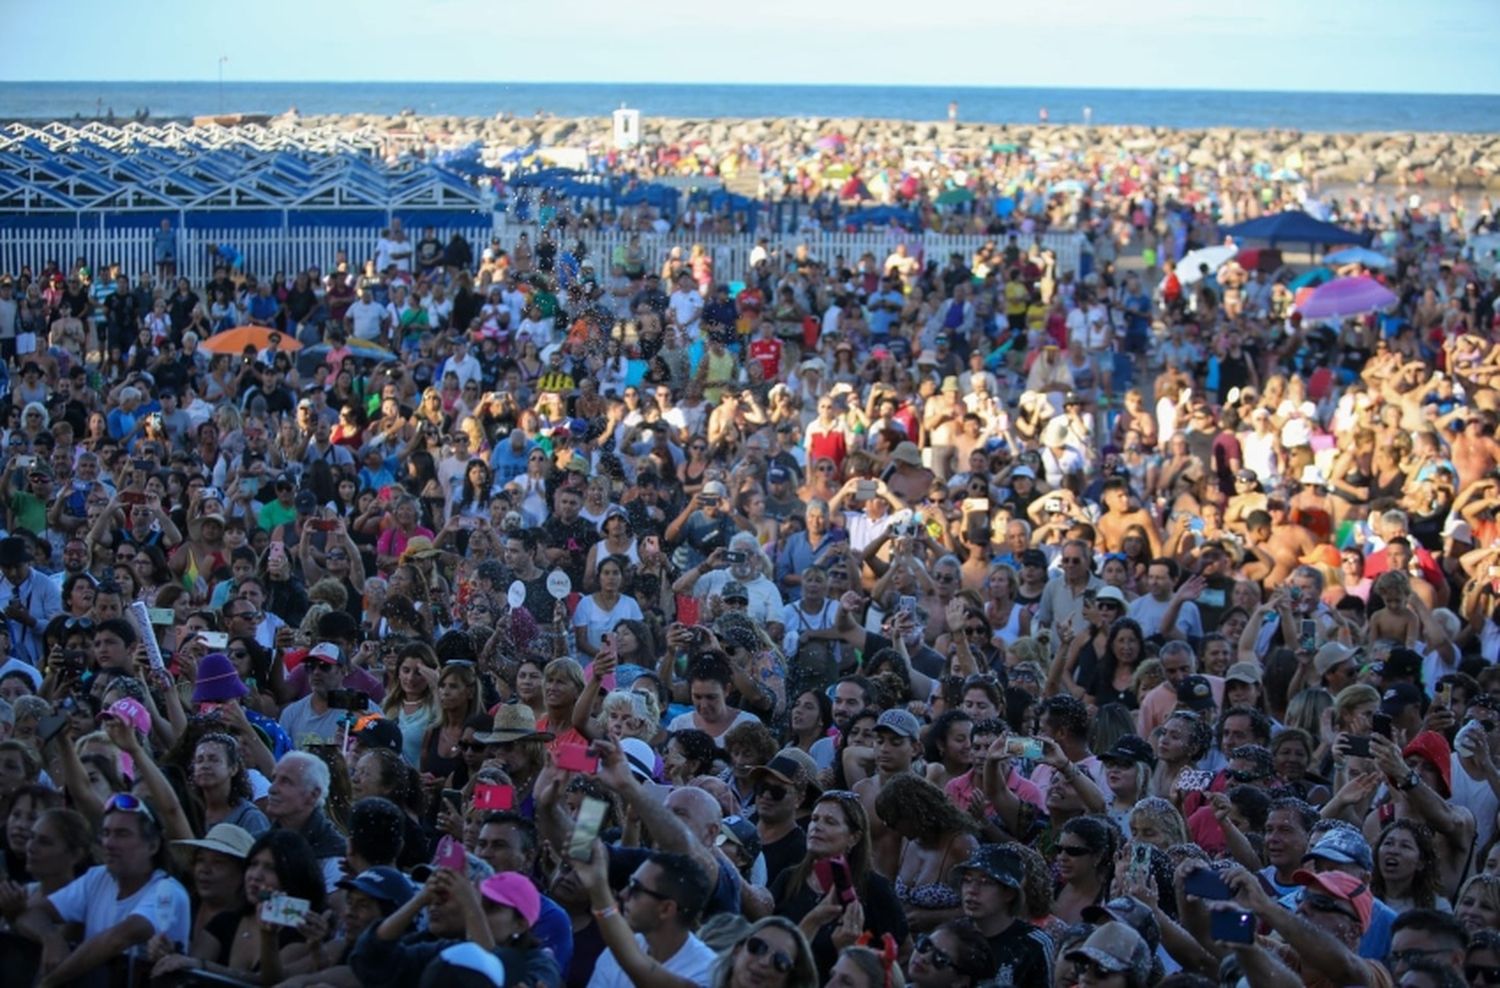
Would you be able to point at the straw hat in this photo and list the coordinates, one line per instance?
(513, 722)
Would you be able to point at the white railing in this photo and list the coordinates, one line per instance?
(267, 251)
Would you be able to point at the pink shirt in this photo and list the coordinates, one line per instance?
(1158, 705)
(961, 789)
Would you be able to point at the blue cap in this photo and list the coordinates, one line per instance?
(383, 883)
(1342, 845)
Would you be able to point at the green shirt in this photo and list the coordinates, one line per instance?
(274, 514)
(28, 511)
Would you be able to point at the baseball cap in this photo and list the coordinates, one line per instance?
(465, 964)
(1116, 948)
(996, 862)
(734, 590)
(1132, 912)
(789, 770)
(132, 712)
(380, 732)
(1402, 663)
(1034, 557)
(777, 475)
(902, 722)
(1331, 656)
(382, 883)
(1243, 672)
(1023, 471)
(737, 830)
(511, 888)
(715, 489)
(1398, 697)
(1130, 748)
(326, 652)
(1342, 888)
(1196, 693)
(1342, 845)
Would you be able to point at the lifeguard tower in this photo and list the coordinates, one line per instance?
(627, 127)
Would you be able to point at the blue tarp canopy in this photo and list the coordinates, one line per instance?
(1293, 227)
(883, 215)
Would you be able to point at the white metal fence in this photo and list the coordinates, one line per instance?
(266, 251)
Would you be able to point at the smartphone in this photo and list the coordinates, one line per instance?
(1053, 505)
(492, 796)
(1307, 636)
(450, 854)
(575, 758)
(1210, 597)
(734, 557)
(214, 639)
(976, 505)
(132, 498)
(1357, 746)
(1027, 748)
(906, 604)
(833, 873)
(1140, 861)
(25, 462)
(163, 616)
(145, 466)
(1194, 780)
(1381, 724)
(1231, 925)
(1195, 524)
(1205, 883)
(454, 798)
(284, 910)
(324, 525)
(251, 485)
(586, 828)
(48, 727)
(864, 489)
(1445, 695)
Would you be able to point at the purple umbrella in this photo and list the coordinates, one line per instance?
(1346, 297)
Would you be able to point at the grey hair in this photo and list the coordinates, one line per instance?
(1173, 647)
(1398, 518)
(817, 504)
(32, 706)
(1312, 573)
(314, 771)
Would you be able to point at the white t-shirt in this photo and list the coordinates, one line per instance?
(693, 962)
(687, 307)
(686, 722)
(94, 900)
(600, 622)
(366, 317)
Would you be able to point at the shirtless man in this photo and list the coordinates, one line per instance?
(1475, 451)
(1119, 516)
(897, 745)
(1278, 549)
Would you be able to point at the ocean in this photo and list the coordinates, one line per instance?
(1347, 112)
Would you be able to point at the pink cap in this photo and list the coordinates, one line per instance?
(511, 888)
(132, 712)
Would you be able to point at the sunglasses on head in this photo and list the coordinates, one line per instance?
(780, 959)
(124, 802)
(941, 959)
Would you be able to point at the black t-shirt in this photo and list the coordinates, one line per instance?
(784, 853)
(429, 252)
(576, 536)
(1022, 954)
(883, 914)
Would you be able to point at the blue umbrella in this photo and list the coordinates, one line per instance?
(1359, 255)
(380, 356)
(1316, 276)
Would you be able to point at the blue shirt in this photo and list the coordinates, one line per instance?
(796, 556)
(507, 464)
(1375, 945)
(554, 930)
(881, 320)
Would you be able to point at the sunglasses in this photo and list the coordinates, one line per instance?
(470, 746)
(1485, 974)
(1073, 850)
(1328, 904)
(1240, 775)
(634, 888)
(124, 802)
(780, 960)
(238, 653)
(775, 792)
(940, 958)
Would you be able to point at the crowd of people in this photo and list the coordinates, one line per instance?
(527, 618)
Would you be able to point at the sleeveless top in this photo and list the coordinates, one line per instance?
(933, 895)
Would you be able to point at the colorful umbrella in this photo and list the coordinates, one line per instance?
(955, 197)
(1347, 297)
(362, 350)
(1358, 255)
(1313, 278)
(234, 341)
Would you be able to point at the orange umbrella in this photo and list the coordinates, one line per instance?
(234, 341)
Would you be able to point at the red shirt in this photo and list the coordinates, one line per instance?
(767, 353)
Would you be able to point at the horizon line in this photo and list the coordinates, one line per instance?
(750, 85)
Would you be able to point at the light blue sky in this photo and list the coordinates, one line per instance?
(1427, 46)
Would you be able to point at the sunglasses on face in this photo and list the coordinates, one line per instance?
(634, 888)
(780, 960)
(940, 958)
(777, 793)
(1073, 850)
(1484, 974)
(1327, 904)
(470, 746)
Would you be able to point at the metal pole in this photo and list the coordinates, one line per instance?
(222, 60)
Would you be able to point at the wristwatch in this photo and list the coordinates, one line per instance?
(1410, 782)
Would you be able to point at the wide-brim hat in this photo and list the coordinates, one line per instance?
(218, 681)
(223, 838)
(513, 722)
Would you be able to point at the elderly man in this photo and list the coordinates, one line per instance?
(742, 563)
(805, 548)
(299, 788)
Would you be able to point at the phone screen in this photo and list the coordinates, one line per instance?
(586, 829)
(1232, 926)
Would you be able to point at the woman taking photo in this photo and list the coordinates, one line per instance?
(935, 836)
(412, 700)
(838, 836)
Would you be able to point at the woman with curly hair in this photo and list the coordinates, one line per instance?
(1084, 865)
(1407, 875)
(221, 780)
(1179, 743)
(690, 753)
(936, 835)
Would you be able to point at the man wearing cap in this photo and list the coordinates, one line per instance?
(1178, 662)
(312, 716)
(745, 580)
(28, 600)
(1336, 846)
(703, 526)
(990, 889)
(508, 842)
(782, 787)
(1323, 933)
(897, 745)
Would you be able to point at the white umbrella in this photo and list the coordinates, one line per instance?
(1214, 257)
(1358, 255)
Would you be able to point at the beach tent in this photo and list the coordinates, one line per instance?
(883, 215)
(1292, 227)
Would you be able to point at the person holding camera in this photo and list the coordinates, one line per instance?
(328, 706)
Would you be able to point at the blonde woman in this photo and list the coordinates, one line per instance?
(412, 701)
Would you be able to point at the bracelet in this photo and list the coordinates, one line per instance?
(602, 914)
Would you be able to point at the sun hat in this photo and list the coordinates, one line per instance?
(640, 758)
(907, 452)
(223, 838)
(513, 722)
(218, 682)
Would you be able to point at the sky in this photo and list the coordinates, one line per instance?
(1393, 46)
